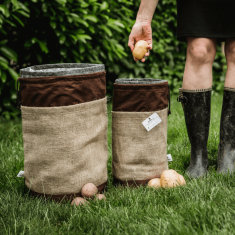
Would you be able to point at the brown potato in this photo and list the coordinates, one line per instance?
(89, 190)
(79, 201)
(140, 49)
(154, 183)
(169, 179)
(181, 180)
(100, 197)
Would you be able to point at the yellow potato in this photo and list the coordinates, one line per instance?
(140, 49)
(169, 179)
(79, 201)
(154, 183)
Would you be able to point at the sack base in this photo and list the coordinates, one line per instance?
(131, 183)
(64, 197)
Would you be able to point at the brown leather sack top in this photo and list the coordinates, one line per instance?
(140, 97)
(61, 90)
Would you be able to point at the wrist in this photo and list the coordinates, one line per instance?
(140, 20)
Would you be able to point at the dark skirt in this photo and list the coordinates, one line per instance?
(206, 18)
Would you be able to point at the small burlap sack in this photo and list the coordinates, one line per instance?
(65, 147)
(139, 155)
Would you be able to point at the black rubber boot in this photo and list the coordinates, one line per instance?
(226, 150)
(197, 108)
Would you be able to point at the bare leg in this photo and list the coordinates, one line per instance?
(198, 68)
(196, 100)
(230, 57)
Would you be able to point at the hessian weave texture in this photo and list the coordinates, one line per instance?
(137, 153)
(65, 147)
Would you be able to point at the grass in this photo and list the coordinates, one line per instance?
(203, 206)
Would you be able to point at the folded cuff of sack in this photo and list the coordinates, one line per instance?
(61, 90)
(140, 97)
(59, 198)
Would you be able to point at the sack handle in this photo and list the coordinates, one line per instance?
(18, 92)
(169, 101)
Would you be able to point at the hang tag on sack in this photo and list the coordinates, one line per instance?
(20, 174)
(169, 158)
(151, 121)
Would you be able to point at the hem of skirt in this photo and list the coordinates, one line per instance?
(183, 37)
(64, 197)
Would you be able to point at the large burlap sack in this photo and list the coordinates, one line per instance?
(138, 155)
(65, 147)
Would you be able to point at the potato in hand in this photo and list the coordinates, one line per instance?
(141, 48)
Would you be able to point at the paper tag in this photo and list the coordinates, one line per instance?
(169, 158)
(20, 174)
(151, 121)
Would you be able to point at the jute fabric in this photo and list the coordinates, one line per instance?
(137, 153)
(65, 147)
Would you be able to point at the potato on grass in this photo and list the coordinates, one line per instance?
(140, 49)
(169, 179)
(154, 183)
(79, 201)
(89, 190)
(100, 197)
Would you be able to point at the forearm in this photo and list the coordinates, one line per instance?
(146, 10)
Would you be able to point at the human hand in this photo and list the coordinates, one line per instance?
(141, 31)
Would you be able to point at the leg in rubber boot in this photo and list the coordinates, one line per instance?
(196, 105)
(226, 150)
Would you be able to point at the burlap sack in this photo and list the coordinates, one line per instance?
(65, 147)
(138, 155)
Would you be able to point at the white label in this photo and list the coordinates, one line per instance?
(169, 158)
(20, 174)
(151, 121)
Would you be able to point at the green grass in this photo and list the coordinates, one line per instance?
(203, 206)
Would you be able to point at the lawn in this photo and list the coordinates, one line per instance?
(203, 206)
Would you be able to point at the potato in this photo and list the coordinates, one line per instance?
(140, 49)
(169, 179)
(89, 190)
(154, 183)
(100, 197)
(79, 201)
(181, 180)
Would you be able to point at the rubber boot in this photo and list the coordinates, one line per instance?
(226, 150)
(197, 107)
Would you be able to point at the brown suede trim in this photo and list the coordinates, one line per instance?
(132, 183)
(140, 97)
(59, 198)
(62, 90)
